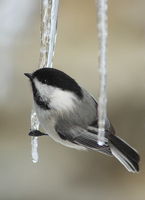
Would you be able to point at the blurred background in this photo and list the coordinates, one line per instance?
(64, 173)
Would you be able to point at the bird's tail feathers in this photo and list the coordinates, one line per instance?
(124, 153)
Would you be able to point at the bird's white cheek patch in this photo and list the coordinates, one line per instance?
(62, 100)
(44, 90)
(58, 99)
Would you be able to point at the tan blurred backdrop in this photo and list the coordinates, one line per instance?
(64, 173)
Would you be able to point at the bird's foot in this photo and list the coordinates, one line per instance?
(36, 133)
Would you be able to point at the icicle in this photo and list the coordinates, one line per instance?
(49, 15)
(103, 35)
(34, 140)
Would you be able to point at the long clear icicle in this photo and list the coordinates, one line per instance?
(49, 17)
(102, 6)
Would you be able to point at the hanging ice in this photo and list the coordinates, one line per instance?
(49, 16)
(103, 35)
(34, 140)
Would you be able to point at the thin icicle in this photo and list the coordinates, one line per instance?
(34, 140)
(49, 16)
(103, 35)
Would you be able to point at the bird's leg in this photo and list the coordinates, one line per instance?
(36, 133)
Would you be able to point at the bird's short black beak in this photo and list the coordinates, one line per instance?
(29, 75)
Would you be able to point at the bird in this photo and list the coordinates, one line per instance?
(69, 115)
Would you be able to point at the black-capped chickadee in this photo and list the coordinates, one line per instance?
(68, 114)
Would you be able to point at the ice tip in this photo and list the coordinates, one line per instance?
(100, 143)
(35, 161)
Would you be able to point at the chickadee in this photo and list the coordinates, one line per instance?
(68, 114)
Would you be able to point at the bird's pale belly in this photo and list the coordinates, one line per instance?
(48, 125)
(55, 136)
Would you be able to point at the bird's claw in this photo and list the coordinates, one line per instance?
(36, 133)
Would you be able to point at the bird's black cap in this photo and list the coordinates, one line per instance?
(57, 78)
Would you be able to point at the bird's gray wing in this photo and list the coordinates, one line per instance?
(108, 126)
(109, 129)
(84, 137)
